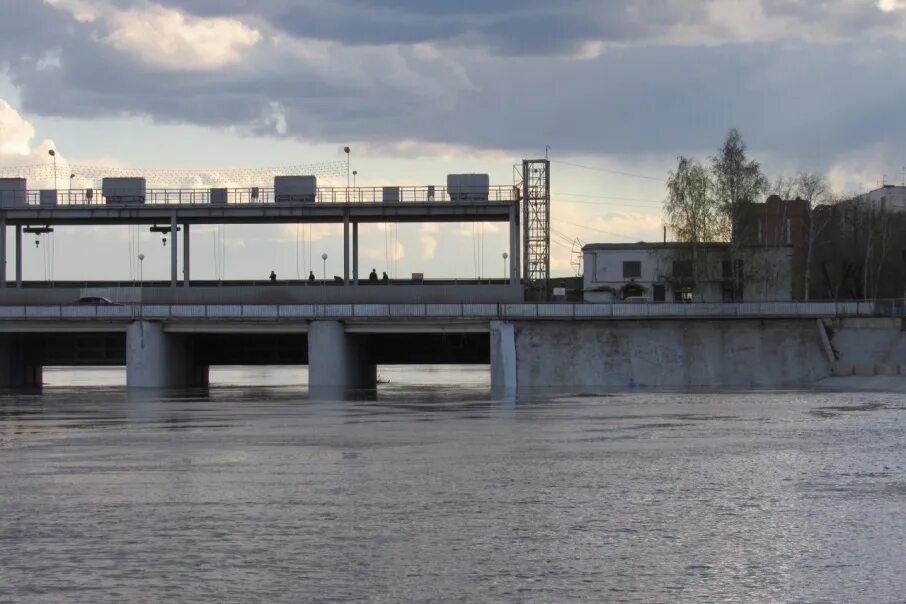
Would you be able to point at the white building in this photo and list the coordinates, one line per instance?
(677, 272)
(889, 197)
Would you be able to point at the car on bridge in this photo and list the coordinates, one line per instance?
(95, 301)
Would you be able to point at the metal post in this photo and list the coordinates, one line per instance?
(355, 253)
(173, 250)
(18, 256)
(514, 245)
(346, 249)
(2, 250)
(186, 262)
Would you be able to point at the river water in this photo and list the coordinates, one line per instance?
(435, 493)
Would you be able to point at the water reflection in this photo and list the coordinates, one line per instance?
(254, 493)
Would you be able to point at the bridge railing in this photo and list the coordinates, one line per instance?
(263, 195)
(534, 311)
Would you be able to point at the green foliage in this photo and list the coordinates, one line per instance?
(705, 204)
(690, 211)
(737, 181)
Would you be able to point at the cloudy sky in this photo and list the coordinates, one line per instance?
(616, 89)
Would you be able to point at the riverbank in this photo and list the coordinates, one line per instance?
(878, 383)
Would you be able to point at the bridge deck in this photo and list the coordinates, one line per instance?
(13, 317)
(101, 214)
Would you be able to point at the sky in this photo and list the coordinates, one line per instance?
(612, 90)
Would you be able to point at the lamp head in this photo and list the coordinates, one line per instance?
(346, 150)
(52, 153)
(324, 256)
(141, 257)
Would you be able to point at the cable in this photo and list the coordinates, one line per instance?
(608, 171)
(298, 271)
(395, 257)
(585, 226)
(608, 197)
(474, 250)
(481, 246)
(223, 245)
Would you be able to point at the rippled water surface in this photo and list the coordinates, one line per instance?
(434, 494)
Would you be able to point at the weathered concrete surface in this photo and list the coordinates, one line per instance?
(279, 293)
(680, 354)
(503, 359)
(155, 359)
(337, 361)
(864, 384)
(18, 367)
(868, 341)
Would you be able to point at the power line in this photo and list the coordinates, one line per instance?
(658, 201)
(609, 171)
(585, 226)
(612, 204)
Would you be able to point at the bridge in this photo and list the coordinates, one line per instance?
(168, 334)
(173, 345)
(174, 211)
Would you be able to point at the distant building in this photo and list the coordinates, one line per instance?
(890, 198)
(681, 272)
(779, 222)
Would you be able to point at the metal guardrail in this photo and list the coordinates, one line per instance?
(260, 195)
(546, 311)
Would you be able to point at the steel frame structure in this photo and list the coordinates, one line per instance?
(534, 182)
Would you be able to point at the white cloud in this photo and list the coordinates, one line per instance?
(429, 247)
(891, 5)
(273, 118)
(396, 252)
(165, 37)
(15, 131)
(83, 11)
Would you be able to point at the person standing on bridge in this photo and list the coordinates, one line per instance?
(385, 278)
(311, 276)
(273, 277)
(373, 275)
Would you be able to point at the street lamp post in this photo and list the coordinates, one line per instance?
(141, 280)
(71, 176)
(348, 151)
(504, 256)
(324, 258)
(53, 154)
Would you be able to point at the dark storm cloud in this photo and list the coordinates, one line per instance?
(526, 28)
(495, 76)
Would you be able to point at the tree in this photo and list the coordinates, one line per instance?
(783, 187)
(738, 181)
(813, 188)
(690, 211)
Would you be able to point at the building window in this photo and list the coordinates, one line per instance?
(682, 269)
(727, 270)
(683, 295)
(632, 269)
(660, 293)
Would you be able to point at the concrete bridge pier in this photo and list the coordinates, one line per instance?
(156, 359)
(338, 362)
(503, 359)
(19, 368)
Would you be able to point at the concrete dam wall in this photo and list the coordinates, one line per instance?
(671, 354)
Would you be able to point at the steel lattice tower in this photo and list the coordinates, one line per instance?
(534, 181)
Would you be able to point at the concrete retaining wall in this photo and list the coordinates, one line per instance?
(668, 354)
(868, 347)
